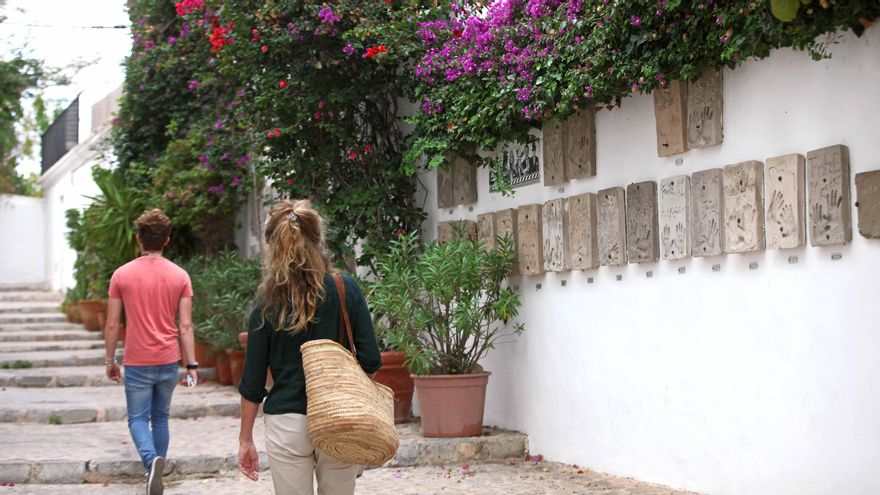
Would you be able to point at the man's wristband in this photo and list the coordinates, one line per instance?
(110, 362)
(193, 366)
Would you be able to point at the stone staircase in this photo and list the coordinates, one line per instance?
(62, 422)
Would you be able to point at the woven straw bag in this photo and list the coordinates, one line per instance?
(350, 417)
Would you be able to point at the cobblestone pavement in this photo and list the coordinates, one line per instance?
(517, 478)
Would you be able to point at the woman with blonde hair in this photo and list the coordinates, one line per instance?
(297, 302)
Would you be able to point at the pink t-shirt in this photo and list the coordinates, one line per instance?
(150, 288)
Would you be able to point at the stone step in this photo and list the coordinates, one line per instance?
(39, 327)
(49, 335)
(99, 404)
(73, 376)
(33, 287)
(51, 359)
(34, 307)
(14, 296)
(14, 318)
(103, 452)
(69, 345)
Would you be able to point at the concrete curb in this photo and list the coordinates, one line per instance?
(495, 445)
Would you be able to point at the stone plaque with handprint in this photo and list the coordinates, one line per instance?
(868, 203)
(704, 106)
(555, 230)
(670, 118)
(580, 145)
(506, 226)
(584, 246)
(674, 203)
(744, 207)
(707, 193)
(830, 215)
(553, 140)
(611, 227)
(530, 244)
(785, 202)
(641, 222)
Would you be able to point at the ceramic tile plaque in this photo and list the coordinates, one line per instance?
(830, 215)
(580, 145)
(486, 229)
(530, 243)
(583, 240)
(506, 226)
(555, 232)
(707, 208)
(670, 115)
(744, 207)
(464, 182)
(611, 226)
(445, 196)
(446, 231)
(785, 202)
(554, 152)
(868, 203)
(704, 107)
(674, 203)
(641, 222)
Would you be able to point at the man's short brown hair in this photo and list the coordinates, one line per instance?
(154, 227)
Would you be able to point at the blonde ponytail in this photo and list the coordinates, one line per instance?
(294, 265)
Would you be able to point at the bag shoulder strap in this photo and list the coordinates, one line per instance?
(344, 322)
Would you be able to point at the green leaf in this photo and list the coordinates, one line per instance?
(785, 10)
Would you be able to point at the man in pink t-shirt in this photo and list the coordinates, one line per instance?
(157, 297)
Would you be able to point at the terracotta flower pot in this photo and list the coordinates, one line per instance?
(73, 313)
(394, 375)
(224, 373)
(236, 365)
(206, 357)
(88, 310)
(452, 405)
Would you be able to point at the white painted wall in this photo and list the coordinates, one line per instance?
(67, 184)
(22, 221)
(741, 381)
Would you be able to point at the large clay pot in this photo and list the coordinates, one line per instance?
(236, 365)
(452, 405)
(73, 313)
(205, 356)
(394, 375)
(88, 310)
(224, 373)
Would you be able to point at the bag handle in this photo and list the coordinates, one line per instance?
(344, 323)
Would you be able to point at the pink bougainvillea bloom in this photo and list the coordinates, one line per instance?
(635, 21)
(277, 132)
(368, 149)
(320, 103)
(235, 181)
(352, 154)
(348, 49)
(264, 48)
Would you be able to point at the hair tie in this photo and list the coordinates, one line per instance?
(293, 218)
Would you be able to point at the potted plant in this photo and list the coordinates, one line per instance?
(450, 306)
(224, 287)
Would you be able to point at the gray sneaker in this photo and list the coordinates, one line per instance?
(154, 477)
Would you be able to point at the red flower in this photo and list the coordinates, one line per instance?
(368, 149)
(352, 154)
(382, 49)
(282, 84)
(264, 48)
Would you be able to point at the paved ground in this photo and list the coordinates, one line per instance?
(517, 478)
(65, 385)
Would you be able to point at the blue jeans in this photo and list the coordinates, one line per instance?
(148, 398)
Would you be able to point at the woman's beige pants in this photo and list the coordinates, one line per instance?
(294, 461)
